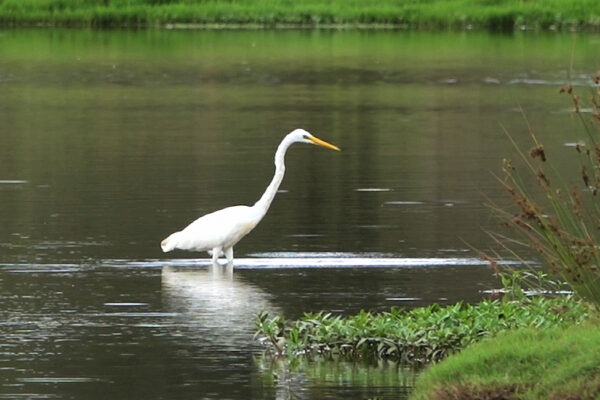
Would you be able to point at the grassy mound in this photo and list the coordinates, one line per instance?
(522, 364)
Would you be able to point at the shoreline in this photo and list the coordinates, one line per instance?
(289, 27)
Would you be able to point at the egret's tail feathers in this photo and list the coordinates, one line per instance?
(170, 243)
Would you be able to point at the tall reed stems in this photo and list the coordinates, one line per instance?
(557, 218)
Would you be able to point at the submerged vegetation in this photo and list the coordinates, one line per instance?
(417, 336)
(433, 14)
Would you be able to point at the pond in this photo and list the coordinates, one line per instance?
(111, 140)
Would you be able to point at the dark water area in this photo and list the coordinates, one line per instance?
(111, 140)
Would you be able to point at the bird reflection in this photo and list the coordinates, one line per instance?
(215, 305)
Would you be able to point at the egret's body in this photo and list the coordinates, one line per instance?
(219, 231)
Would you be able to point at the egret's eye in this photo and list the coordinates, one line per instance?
(304, 136)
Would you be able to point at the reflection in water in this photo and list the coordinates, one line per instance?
(213, 304)
(334, 379)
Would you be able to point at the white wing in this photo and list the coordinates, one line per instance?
(222, 228)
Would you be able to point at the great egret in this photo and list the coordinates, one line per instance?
(219, 231)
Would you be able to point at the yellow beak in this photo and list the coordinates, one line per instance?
(323, 143)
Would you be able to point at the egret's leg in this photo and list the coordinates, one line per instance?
(216, 252)
(229, 254)
(229, 270)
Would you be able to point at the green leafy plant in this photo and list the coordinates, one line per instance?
(520, 284)
(415, 336)
(271, 330)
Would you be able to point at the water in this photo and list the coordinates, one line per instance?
(111, 140)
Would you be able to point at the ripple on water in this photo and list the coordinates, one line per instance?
(18, 268)
(52, 379)
(532, 81)
(574, 144)
(403, 203)
(282, 260)
(271, 260)
(373, 189)
(65, 244)
(28, 396)
(403, 298)
(306, 235)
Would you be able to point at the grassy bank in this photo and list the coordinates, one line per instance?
(525, 364)
(432, 14)
(416, 336)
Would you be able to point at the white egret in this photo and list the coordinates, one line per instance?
(219, 231)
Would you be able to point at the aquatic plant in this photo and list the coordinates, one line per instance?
(518, 284)
(419, 335)
(557, 217)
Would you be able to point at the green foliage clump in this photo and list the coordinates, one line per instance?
(420, 335)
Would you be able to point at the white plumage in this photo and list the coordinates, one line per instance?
(219, 231)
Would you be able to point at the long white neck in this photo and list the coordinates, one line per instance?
(263, 204)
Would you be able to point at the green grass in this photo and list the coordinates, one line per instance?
(523, 364)
(433, 14)
(417, 336)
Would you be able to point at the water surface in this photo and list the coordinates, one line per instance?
(111, 140)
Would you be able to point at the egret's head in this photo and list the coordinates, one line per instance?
(300, 135)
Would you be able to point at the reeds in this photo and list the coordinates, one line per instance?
(558, 218)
